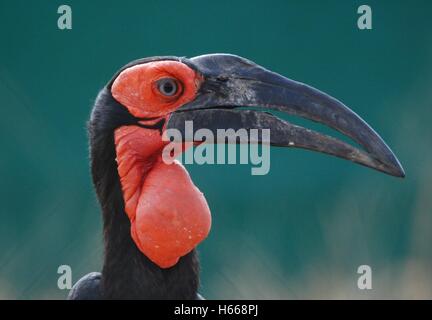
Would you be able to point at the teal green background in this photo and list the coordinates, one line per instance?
(299, 232)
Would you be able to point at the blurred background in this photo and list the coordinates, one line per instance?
(299, 232)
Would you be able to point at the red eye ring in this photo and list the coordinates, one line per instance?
(137, 88)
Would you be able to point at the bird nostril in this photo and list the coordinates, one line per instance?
(222, 78)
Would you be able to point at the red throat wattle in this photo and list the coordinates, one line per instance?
(169, 215)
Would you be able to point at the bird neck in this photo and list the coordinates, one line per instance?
(127, 273)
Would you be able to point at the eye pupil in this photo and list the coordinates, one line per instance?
(167, 86)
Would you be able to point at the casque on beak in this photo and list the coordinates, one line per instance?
(231, 82)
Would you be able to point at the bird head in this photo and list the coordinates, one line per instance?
(169, 216)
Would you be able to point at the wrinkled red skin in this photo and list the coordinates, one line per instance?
(168, 213)
(136, 88)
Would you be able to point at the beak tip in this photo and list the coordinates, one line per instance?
(396, 170)
(401, 173)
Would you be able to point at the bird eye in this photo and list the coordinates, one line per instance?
(167, 86)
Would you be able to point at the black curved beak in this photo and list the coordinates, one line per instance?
(231, 82)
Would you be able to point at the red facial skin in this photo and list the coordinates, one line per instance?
(169, 215)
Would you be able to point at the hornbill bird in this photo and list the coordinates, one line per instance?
(153, 214)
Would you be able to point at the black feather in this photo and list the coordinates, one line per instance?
(87, 288)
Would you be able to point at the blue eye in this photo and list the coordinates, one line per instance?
(167, 86)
